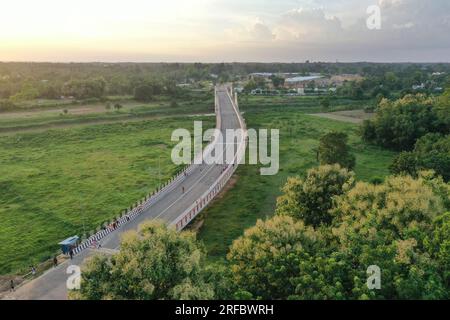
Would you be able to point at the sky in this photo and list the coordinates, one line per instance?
(224, 30)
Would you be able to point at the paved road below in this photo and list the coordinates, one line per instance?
(169, 206)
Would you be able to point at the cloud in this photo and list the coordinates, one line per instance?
(411, 30)
(253, 31)
(311, 25)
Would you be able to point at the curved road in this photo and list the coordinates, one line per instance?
(169, 206)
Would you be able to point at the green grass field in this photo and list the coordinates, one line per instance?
(90, 113)
(254, 196)
(64, 182)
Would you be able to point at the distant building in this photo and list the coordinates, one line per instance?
(268, 75)
(300, 81)
(418, 86)
(238, 89)
(301, 91)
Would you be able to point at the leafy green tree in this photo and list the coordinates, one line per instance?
(333, 149)
(443, 110)
(385, 225)
(85, 89)
(277, 81)
(28, 92)
(7, 105)
(431, 152)
(266, 259)
(156, 263)
(250, 85)
(393, 225)
(438, 245)
(404, 163)
(398, 124)
(143, 93)
(311, 198)
(325, 103)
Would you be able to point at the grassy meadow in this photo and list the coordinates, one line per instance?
(81, 113)
(59, 183)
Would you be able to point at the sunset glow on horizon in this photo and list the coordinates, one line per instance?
(218, 30)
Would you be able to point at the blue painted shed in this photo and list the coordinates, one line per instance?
(68, 244)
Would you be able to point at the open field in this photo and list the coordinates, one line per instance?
(254, 196)
(90, 113)
(353, 116)
(298, 103)
(58, 183)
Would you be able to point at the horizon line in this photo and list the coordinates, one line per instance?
(219, 62)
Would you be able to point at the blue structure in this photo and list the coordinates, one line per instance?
(69, 243)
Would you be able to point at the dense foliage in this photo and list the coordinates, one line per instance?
(156, 263)
(311, 198)
(333, 149)
(398, 124)
(396, 226)
(432, 151)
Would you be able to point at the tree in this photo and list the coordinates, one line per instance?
(438, 244)
(385, 225)
(143, 93)
(393, 225)
(325, 103)
(404, 163)
(333, 149)
(311, 198)
(443, 110)
(398, 125)
(277, 81)
(156, 263)
(7, 105)
(250, 85)
(431, 152)
(28, 92)
(85, 89)
(267, 258)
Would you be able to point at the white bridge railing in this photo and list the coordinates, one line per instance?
(191, 212)
(195, 208)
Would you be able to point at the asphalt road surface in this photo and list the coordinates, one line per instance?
(168, 207)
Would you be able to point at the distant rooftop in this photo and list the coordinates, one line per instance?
(268, 74)
(301, 79)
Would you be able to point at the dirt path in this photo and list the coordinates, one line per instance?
(353, 116)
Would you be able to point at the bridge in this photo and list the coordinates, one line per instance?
(178, 203)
